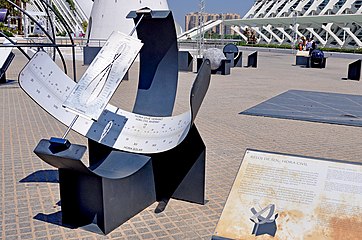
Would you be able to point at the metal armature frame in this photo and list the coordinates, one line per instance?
(51, 38)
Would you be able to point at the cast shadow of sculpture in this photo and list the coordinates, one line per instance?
(49, 176)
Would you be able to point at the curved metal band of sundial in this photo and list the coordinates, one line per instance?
(150, 128)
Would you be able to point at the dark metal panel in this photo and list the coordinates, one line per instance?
(89, 53)
(354, 70)
(158, 65)
(334, 108)
(200, 87)
(3, 13)
(174, 170)
(68, 159)
(253, 60)
(5, 67)
(185, 61)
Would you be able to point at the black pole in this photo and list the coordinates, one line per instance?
(67, 28)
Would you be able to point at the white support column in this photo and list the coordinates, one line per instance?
(315, 34)
(269, 30)
(328, 29)
(353, 36)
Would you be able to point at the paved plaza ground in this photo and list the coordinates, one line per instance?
(29, 195)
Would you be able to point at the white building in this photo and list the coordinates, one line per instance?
(108, 16)
(333, 23)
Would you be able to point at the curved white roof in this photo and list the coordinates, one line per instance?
(108, 16)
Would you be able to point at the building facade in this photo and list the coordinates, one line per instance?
(191, 21)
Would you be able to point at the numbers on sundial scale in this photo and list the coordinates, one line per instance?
(45, 82)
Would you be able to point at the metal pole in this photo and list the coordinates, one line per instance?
(67, 29)
(201, 23)
(295, 13)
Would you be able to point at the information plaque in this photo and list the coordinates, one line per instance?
(278, 196)
(98, 84)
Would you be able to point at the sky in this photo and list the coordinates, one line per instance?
(181, 7)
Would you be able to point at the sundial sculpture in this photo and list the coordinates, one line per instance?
(135, 158)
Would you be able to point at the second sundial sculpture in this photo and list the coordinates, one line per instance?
(135, 158)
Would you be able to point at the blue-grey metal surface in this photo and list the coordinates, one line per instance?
(94, 197)
(302, 61)
(3, 13)
(231, 48)
(199, 88)
(89, 53)
(253, 60)
(323, 107)
(158, 64)
(231, 52)
(354, 70)
(5, 66)
(185, 60)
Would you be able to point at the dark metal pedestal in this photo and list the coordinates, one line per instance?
(180, 172)
(231, 51)
(105, 195)
(185, 60)
(89, 53)
(354, 70)
(119, 185)
(302, 61)
(253, 60)
(224, 68)
(5, 67)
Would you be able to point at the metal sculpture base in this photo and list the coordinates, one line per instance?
(5, 67)
(118, 185)
(253, 60)
(224, 68)
(105, 195)
(231, 51)
(185, 61)
(302, 61)
(354, 70)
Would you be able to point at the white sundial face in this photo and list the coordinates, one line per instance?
(96, 87)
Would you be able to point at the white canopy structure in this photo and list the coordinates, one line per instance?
(331, 22)
(75, 14)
